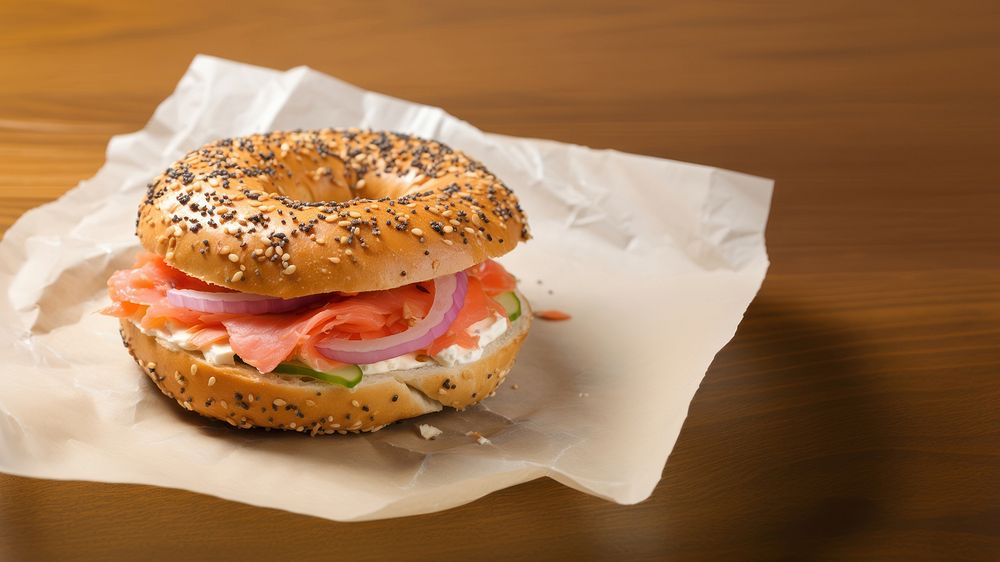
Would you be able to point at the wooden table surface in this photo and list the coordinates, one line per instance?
(854, 415)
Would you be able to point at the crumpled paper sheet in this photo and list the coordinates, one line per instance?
(656, 260)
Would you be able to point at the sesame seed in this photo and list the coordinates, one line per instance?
(310, 403)
(349, 252)
(151, 365)
(286, 256)
(225, 405)
(334, 260)
(279, 402)
(238, 276)
(288, 270)
(448, 228)
(234, 258)
(417, 232)
(355, 403)
(470, 230)
(211, 381)
(355, 214)
(169, 256)
(344, 223)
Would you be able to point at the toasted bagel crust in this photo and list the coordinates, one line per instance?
(289, 214)
(245, 398)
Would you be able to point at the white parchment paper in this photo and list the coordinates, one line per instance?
(656, 260)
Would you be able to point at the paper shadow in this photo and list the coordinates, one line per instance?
(781, 443)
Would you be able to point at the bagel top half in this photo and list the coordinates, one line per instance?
(289, 214)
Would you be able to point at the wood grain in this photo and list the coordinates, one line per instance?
(855, 414)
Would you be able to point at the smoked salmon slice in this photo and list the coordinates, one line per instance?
(265, 340)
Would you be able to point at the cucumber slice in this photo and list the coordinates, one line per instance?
(348, 375)
(510, 303)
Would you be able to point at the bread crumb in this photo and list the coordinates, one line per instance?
(429, 431)
(480, 438)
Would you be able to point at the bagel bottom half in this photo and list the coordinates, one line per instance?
(245, 398)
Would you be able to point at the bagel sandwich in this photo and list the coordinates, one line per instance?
(325, 281)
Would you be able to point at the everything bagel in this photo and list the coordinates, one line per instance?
(325, 281)
(287, 214)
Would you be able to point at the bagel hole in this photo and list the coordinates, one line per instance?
(331, 181)
(304, 180)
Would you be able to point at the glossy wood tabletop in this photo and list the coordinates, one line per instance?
(854, 415)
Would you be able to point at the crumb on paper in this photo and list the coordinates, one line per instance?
(480, 438)
(515, 386)
(584, 394)
(552, 315)
(429, 431)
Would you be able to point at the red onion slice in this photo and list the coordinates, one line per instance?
(237, 303)
(449, 296)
